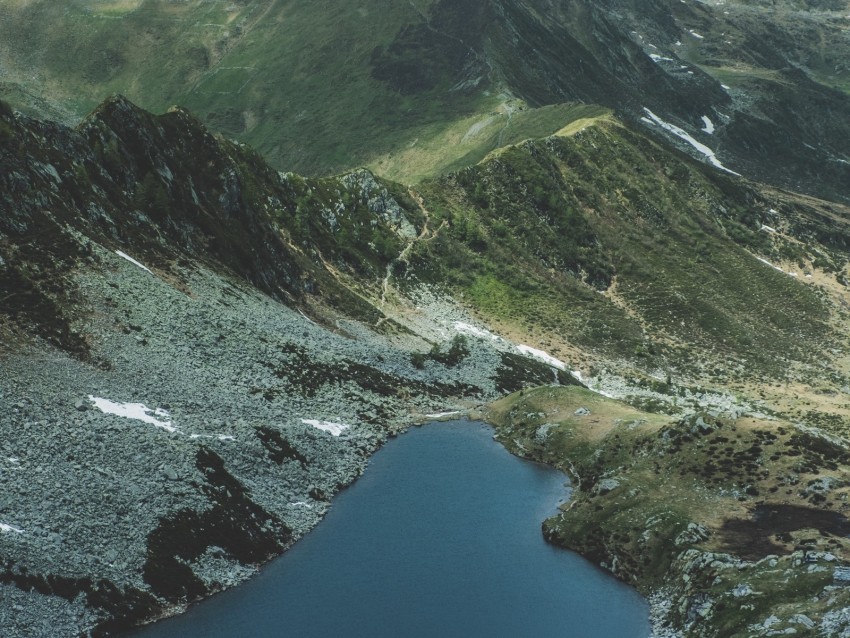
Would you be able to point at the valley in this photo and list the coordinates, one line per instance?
(619, 232)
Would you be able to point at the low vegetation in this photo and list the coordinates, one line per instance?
(736, 519)
(604, 239)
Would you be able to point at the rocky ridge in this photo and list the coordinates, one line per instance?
(183, 390)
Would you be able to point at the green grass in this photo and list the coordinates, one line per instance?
(465, 141)
(536, 232)
(676, 489)
(295, 80)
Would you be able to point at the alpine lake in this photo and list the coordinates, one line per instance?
(440, 537)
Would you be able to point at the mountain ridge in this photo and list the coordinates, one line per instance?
(344, 87)
(273, 355)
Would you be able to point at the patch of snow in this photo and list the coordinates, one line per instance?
(306, 317)
(660, 58)
(702, 148)
(707, 125)
(301, 504)
(723, 86)
(769, 229)
(545, 357)
(696, 35)
(468, 329)
(577, 375)
(334, 429)
(6, 529)
(765, 261)
(647, 121)
(137, 411)
(132, 261)
(220, 437)
(440, 415)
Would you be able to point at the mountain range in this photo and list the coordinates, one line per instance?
(618, 231)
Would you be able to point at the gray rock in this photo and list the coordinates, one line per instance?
(742, 590)
(770, 621)
(802, 619)
(693, 533)
(81, 405)
(606, 485)
(169, 473)
(543, 432)
(582, 412)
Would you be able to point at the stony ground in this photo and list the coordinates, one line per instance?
(216, 371)
(211, 404)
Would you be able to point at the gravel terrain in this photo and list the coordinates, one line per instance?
(217, 371)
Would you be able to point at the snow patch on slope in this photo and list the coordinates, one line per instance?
(137, 411)
(474, 331)
(684, 135)
(132, 261)
(10, 529)
(765, 261)
(545, 357)
(334, 429)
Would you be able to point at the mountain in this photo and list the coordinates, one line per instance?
(618, 231)
(413, 89)
(192, 340)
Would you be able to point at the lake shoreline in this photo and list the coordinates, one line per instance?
(369, 481)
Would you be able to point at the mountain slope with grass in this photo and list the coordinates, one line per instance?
(420, 88)
(219, 346)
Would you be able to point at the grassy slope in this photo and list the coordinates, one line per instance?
(295, 80)
(607, 241)
(655, 500)
(417, 89)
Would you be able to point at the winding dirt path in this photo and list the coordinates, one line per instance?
(426, 234)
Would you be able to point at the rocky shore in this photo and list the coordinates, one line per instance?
(213, 435)
(730, 524)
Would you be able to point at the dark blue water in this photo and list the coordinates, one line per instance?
(439, 538)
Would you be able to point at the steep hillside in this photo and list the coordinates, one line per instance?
(602, 239)
(733, 525)
(194, 341)
(415, 89)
